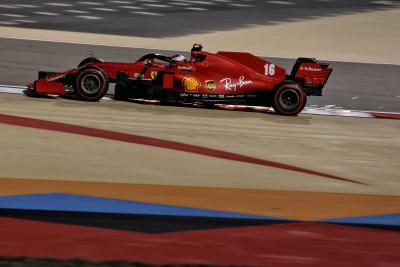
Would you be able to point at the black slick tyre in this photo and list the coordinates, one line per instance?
(289, 100)
(91, 83)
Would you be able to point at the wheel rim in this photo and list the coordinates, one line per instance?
(289, 99)
(90, 84)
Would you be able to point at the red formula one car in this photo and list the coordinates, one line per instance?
(221, 78)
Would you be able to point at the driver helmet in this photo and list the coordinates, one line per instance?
(179, 58)
(197, 47)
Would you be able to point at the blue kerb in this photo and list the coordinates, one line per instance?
(80, 203)
(381, 219)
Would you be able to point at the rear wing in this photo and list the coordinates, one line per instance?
(311, 74)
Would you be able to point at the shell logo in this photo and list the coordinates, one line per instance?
(191, 84)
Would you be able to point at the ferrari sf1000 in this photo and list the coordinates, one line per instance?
(207, 78)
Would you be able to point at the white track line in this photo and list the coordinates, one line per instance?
(9, 6)
(241, 5)
(11, 89)
(131, 7)
(47, 13)
(104, 9)
(337, 112)
(58, 4)
(280, 2)
(13, 15)
(26, 6)
(202, 2)
(120, 2)
(25, 20)
(90, 3)
(89, 17)
(196, 8)
(8, 23)
(77, 11)
(147, 13)
(179, 4)
(157, 5)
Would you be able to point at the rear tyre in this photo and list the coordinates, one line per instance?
(89, 60)
(289, 100)
(91, 83)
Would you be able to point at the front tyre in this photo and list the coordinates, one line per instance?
(289, 100)
(89, 60)
(91, 83)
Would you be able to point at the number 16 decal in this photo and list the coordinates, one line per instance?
(269, 69)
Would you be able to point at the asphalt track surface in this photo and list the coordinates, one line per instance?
(354, 86)
(156, 18)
